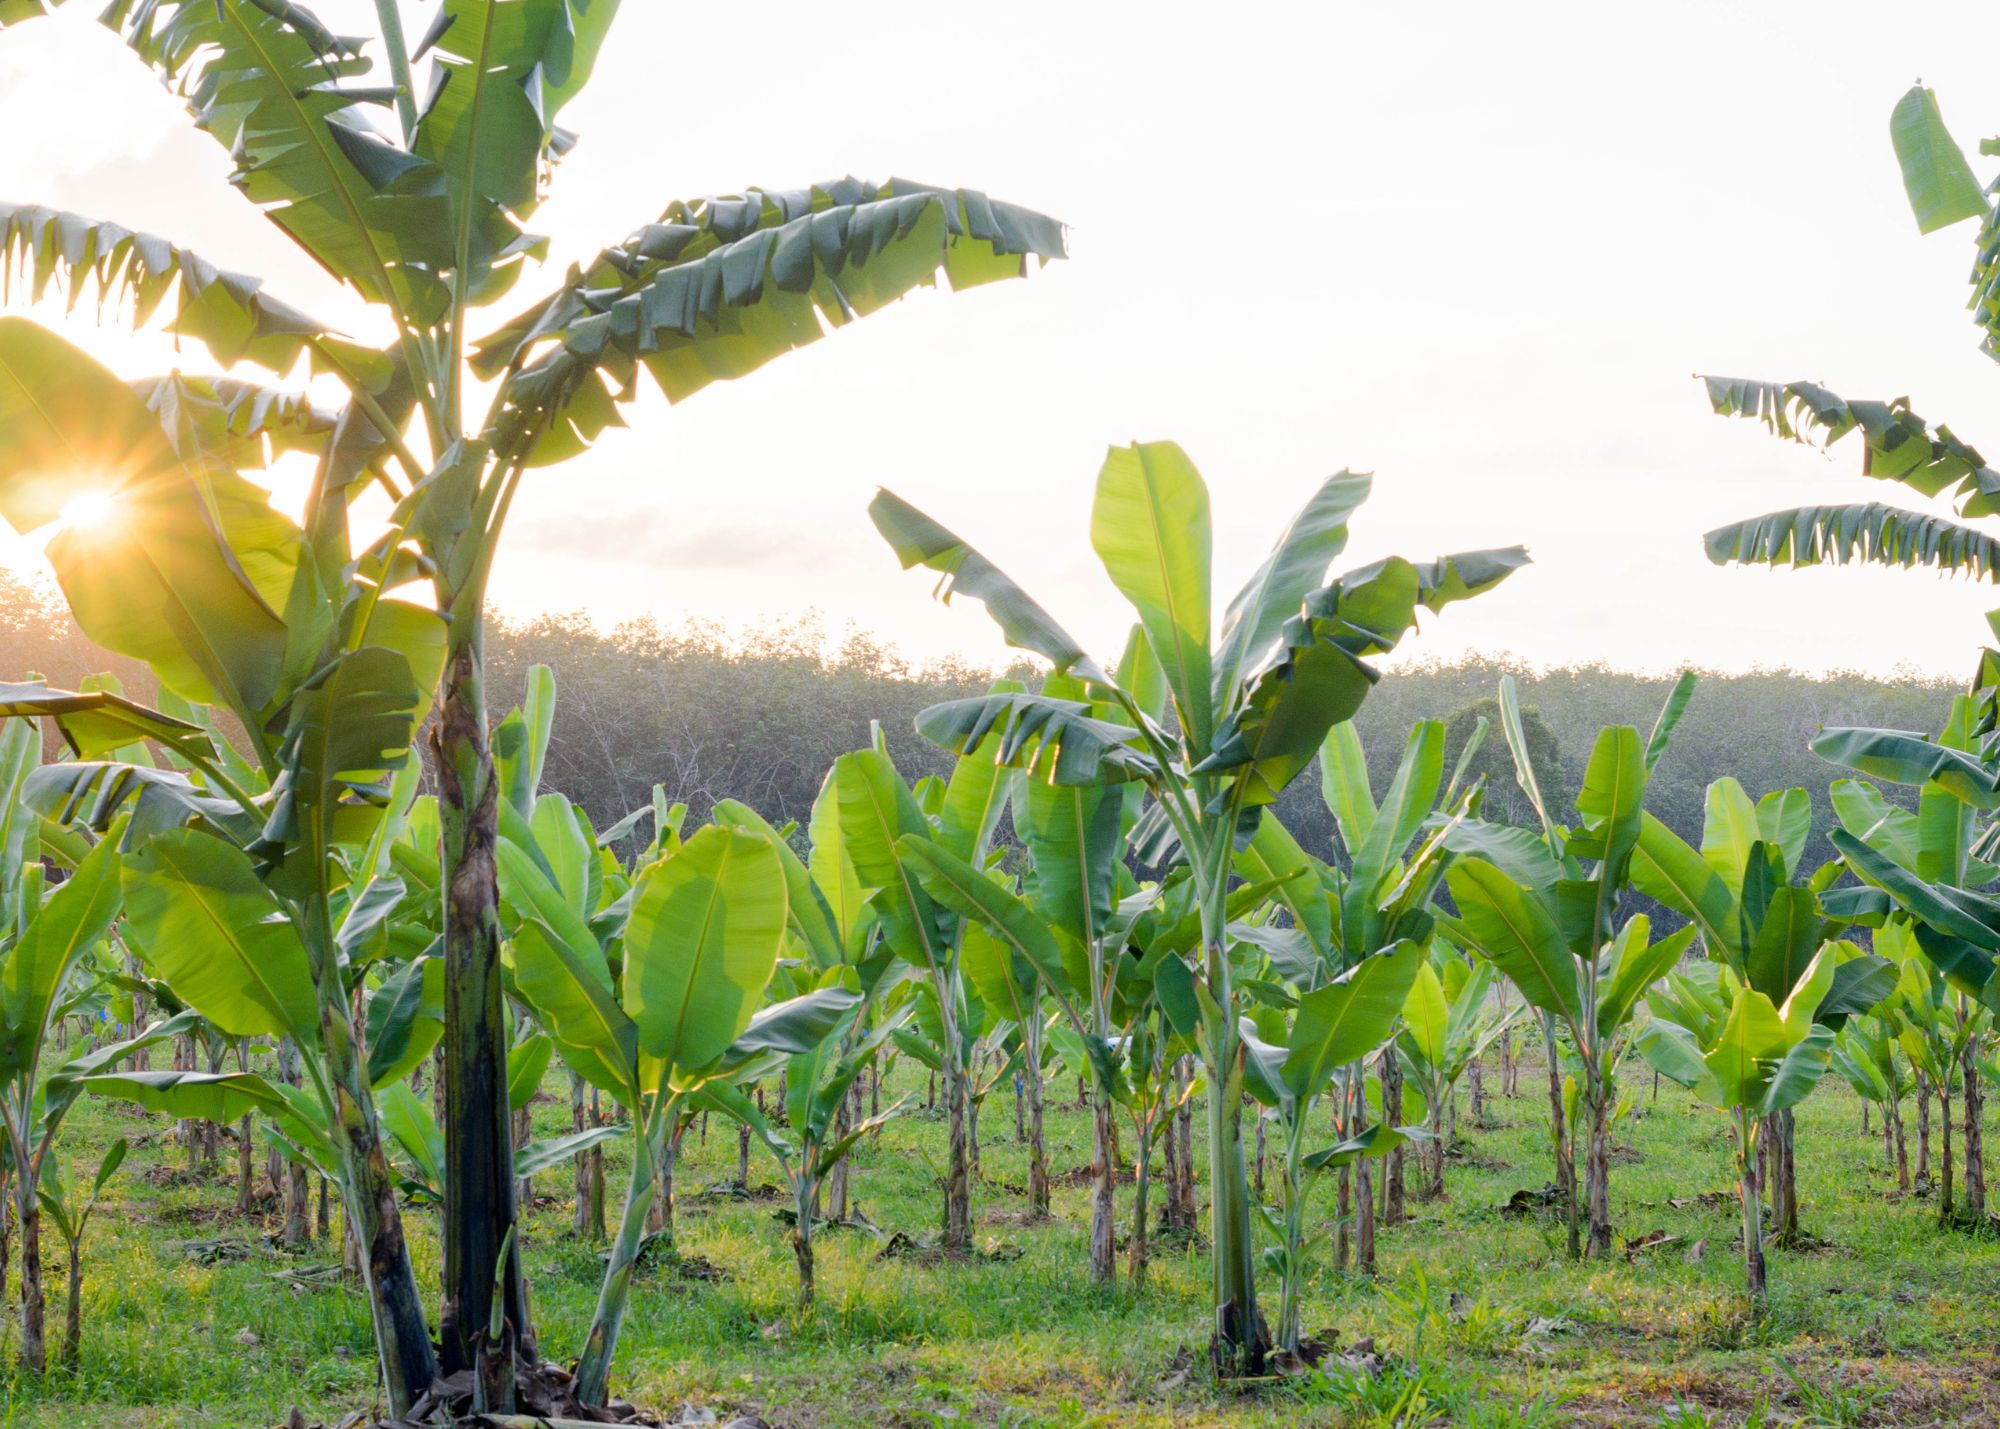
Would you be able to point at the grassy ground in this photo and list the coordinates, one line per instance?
(1893, 1321)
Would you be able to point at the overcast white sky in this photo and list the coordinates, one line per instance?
(1477, 249)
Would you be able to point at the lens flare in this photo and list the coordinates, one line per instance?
(89, 510)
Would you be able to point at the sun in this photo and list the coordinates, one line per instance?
(90, 510)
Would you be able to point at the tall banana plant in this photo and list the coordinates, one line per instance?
(1896, 443)
(1546, 914)
(1213, 726)
(276, 842)
(415, 191)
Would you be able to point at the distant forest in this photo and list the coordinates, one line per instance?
(758, 715)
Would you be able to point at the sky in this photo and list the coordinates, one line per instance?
(1479, 250)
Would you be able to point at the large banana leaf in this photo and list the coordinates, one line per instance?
(971, 894)
(1060, 741)
(720, 286)
(1426, 1014)
(1072, 833)
(1346, 1020)
(1905, 758)
(1953, 911)
(501, 72)
(1296, 566)
(918, 540)
(210, 1096)
(228, 313)
(96, 722)
(707, 924)
(1941, 185)
(1318, 676)
(976, 792)
(200, 915)
(1868, 532)
(273, 86)
(1516, 932)
(1149, 525)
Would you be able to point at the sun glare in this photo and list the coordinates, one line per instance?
(88, 510)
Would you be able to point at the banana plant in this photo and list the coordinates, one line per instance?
(45, 942)
(276, 830)
(1896, 443)
(1335, 1026)
(1066, 930)
(1750, 1057)
(1213, 729)
(1865, 1055)
(817, 1083)
(420, 209)
(701, 940)
(1545, 913)
(877, 839)
(1927, 873)
(1395, 853)
(68, 1203)
(1936, 1026)
(1448, 1022)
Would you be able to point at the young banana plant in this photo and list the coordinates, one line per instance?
(1764, 1037)
(1866, 1055)
(869, 831)
(1545, 913)
(1448, 1021)
(68, 1203)
(1936, 1026)
(1336, 1025)
(817, 1083)
(1067, 926)
(49, 941)
(1214, 728)
(701, 939)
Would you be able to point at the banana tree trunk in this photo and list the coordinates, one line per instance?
(479, 1164)
(1747, 1130)
(1923, 1101)
(1038, 1154)
(1899, 1151)
(1597, 1169)
(1104, 1172)
(1784, 1186)
(34, 1343)
(802, 1230)
(1184, 1188)
(1559, 1137)
(1136, 1249)
(579, 1120)
(836, 1179)
(1240, 1339)
(1393, 1188)
(1974, 1098)
(1945, 1207)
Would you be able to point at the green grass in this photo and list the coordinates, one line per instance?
(1892, 1322)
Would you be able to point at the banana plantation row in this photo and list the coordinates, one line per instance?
(1095, 887)
(1100, 883)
